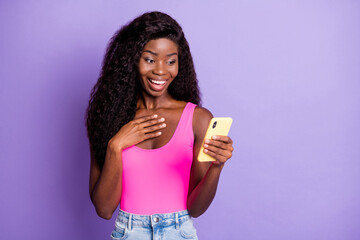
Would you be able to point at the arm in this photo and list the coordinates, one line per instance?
(204, 176)
(105, 185)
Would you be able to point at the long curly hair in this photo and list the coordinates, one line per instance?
(113, 99)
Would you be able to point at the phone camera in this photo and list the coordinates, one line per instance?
(214, 125)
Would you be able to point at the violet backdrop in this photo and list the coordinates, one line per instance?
(286, 71)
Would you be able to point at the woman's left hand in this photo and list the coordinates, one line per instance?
(220, 148)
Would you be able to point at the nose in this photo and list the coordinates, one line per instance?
(160, 68)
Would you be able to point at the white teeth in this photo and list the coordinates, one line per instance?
(157, 82)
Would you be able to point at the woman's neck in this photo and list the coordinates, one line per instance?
(150, 102)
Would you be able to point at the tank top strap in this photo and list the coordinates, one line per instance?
(185, 123)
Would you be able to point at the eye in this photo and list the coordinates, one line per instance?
(171, 62)
(149, 60)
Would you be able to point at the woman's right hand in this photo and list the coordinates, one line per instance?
(136, 131)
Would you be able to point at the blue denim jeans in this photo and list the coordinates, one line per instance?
(178, 225)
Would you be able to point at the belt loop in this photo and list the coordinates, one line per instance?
(129, 221)
(177, 220)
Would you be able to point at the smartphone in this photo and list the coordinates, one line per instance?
(217, 126)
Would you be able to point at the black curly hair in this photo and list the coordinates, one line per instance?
(114, 97)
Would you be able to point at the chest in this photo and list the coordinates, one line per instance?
(172, 118)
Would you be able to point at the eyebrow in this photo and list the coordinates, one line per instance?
(153, 53)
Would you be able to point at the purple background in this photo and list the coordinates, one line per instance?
(288, 72)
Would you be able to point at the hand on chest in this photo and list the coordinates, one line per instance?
(172, 118)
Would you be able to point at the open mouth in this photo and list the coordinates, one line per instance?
(157, 85)
(157, 82)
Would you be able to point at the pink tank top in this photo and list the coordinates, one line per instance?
(157, 180)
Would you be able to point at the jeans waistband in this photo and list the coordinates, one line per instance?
(164, 219)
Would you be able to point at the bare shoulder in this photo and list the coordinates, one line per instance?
(202, 114)
(201, 120)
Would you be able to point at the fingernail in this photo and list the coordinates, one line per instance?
(205, 150)
(163, 125)
(207, 141)
(162, 119)
(214, 137)
(159, 133)
(205, 145)
(155, 115)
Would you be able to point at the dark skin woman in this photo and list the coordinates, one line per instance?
(143, 108)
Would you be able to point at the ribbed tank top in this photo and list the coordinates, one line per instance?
(157, 180)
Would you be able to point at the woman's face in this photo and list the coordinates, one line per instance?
(158, 66)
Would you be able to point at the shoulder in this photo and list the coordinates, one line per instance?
(202, 114)
(201, 120)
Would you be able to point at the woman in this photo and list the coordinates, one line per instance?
(145, 131)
